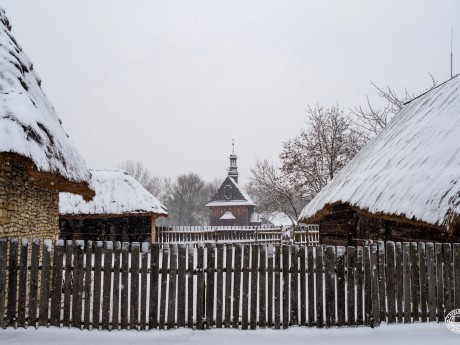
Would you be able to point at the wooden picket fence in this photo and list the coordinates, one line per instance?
(105, 285)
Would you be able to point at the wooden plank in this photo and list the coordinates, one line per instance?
(56, 288)
(303, 285)
(116, 285)
(97, 283)
(431, 281)
(22, 287)
(359, 279)
(237, 285)
(181, 285)
(456, 269)
(154, 275)
(262, 286)
(254, 287)
(245, 299)
(399, 282)
(68, 282)
(440, 282)
(340, 292)
(3, 259)
(190, 285)
(368, 315)
(329, 285)
(406, 282)
(390, 280)
(124, 304)
(200, 287)
(33, 287)
(107, 287)
(381, 278)
(351, 263)
(423, 282)
(415, 282)
(11, 307)
(77, 289)
(219, 285)
(294, 285)
(311, 286)
(448, 278)
(319, 287)
(45, 283)
(375, 286)
(270, 257)
(277, 289)
(228, 285)
(88, 282)
(144, 274)
(210, 270)
(134, 293)
(172, 286)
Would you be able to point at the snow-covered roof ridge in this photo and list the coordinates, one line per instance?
(411, 169)
(242, 191)
(29, 125)
(117, 193)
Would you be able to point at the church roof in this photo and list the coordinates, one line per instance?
(227, 216)
(231, 194)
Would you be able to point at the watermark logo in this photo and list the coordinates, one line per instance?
(453, 321)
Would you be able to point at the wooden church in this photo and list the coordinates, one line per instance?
(231, 205)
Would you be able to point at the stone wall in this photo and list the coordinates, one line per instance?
(26, 210)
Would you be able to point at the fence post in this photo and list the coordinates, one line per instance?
(23, 283)
(3, 258)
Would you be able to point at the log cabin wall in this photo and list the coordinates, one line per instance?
(241, 213)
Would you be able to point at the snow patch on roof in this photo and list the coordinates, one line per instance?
(243, 192)
(29, 125)
(411, 169)
(117, 193)
(227, 216)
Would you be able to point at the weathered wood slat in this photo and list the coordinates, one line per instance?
(270, 259)
(415, 282)
(210, 270)
(134, 293)
(56, 288)
(228, 285)
(375, 286)
(220, 285)
(154, 280)
(319, 278)
(399, 282)
(278, 299)
(285, 285)
(431, 281)
(368, 315)
(351, 269)
(448, 278)
(3, 259)
(172, 287)
(423, 282)
(77, 287)
(45, 283)
(456, 269)
(303, 285)
(164, 286)
(116, 285)
(440, 282)
(381, 278)
(311, 286)
(13, 284)
(245, 299)
(68, 283)
(359, 279)
(107, 287)
(294, 294)
(340, 292)
(390, 280)
(124, 285)
(237, 285)
(88, 281)
(262, 286)
(33, 287)
(329, 284)
(99, 249)
(190, 285)
(254, 287)
(406, 282)
(144, 274)
(200, 287)
(181, 285)
(22, 287)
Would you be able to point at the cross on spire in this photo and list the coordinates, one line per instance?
(233, 146)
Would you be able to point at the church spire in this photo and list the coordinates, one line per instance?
(233, 169)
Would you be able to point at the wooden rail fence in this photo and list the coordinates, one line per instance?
(113, 285)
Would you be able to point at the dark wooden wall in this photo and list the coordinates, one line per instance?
(241, 213)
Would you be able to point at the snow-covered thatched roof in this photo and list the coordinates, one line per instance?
(117, 194)
(410, 171)
(30, 129)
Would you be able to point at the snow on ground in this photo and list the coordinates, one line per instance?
(419, 334)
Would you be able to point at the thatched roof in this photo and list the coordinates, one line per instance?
(408, 172)
(117, 194)
(30, 130)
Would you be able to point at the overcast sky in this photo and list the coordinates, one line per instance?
(170, 83)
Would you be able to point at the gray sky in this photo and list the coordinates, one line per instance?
(170, 83)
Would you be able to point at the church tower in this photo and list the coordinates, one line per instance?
(233, 169)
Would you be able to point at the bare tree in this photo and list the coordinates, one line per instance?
(152, 183)
(273, 192)
(314, 157)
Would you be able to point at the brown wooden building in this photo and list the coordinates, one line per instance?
(122, 210)
(231, 205)
(404, 184)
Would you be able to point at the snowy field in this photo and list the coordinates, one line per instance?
(419, 334)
